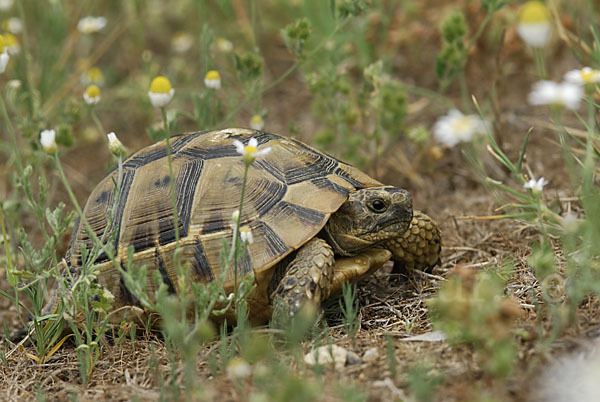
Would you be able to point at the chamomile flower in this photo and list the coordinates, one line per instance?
(584, 76)
(182, 42)
(89, 25)
(257, 122)
(235, 216)
(250, 152)
(246, 235)
(212, 79)
(114, 145)
(91, 96)
(556, 94)
(12, 25)
(6, 4)
(4, 57)
(570, 223)
(224, 45)
(536, 186)
(238, 368)
(456, 127)
(92, 76)
(161, 92)
(48, 141)
(12, 44)
(534, 24)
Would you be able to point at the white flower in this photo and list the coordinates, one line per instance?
(224, 45)
(93, 76)
(48, 141)
(89, 25)
(456, 127)
(536, 186)
(161, 92)
(114, 145)
(182, 42)
(235, 216)
(584, 76)
(11, 43)
(4, 57)
(250, 152)
(246, 235)
(91, 96)
(238, 368)
(6, 4)
(257, 122)
(534, 24)
(212, 79)
(13, 25)
(552, 93)
(570, 223)
(14, 84)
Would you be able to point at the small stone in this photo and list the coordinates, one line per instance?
(352, 358)
(370, 355)
(328, 354)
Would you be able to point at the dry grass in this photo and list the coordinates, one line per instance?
(390, 306)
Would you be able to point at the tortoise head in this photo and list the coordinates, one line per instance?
(369, 216)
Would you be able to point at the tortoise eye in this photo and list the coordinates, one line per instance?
(378, 205)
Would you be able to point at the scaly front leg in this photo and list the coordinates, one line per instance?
(307, 279)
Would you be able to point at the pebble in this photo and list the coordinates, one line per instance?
(331, 354)
(370, 355)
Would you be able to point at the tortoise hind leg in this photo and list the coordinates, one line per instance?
(307, 279)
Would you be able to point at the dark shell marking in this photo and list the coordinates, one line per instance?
(290, 194)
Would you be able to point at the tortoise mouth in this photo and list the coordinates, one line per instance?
(395, 227)
(396, 223)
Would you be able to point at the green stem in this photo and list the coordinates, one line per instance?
(39, 213)
(464, 90)
(13, 138)
(540, 63)
(475, 37)
(171, 177)
(96, 120)
(588, 166)
(236, 231)
(9, 271)
(429, 94)
(286, 74)
(77, 207)
(26, 73)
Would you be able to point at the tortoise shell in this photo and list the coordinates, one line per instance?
(290, 194)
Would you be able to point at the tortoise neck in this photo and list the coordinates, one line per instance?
(329, 238)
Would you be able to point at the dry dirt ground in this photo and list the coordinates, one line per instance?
(447, 190)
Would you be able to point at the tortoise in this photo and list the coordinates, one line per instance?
(316, 222)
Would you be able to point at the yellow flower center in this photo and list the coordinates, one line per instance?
(533, 11)
(94, 74)
(256, 119)
(462, 124)
(213, 75)
(92, 91)
(10, 40)
(160, 85)
(588, 75)
(250, 150)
